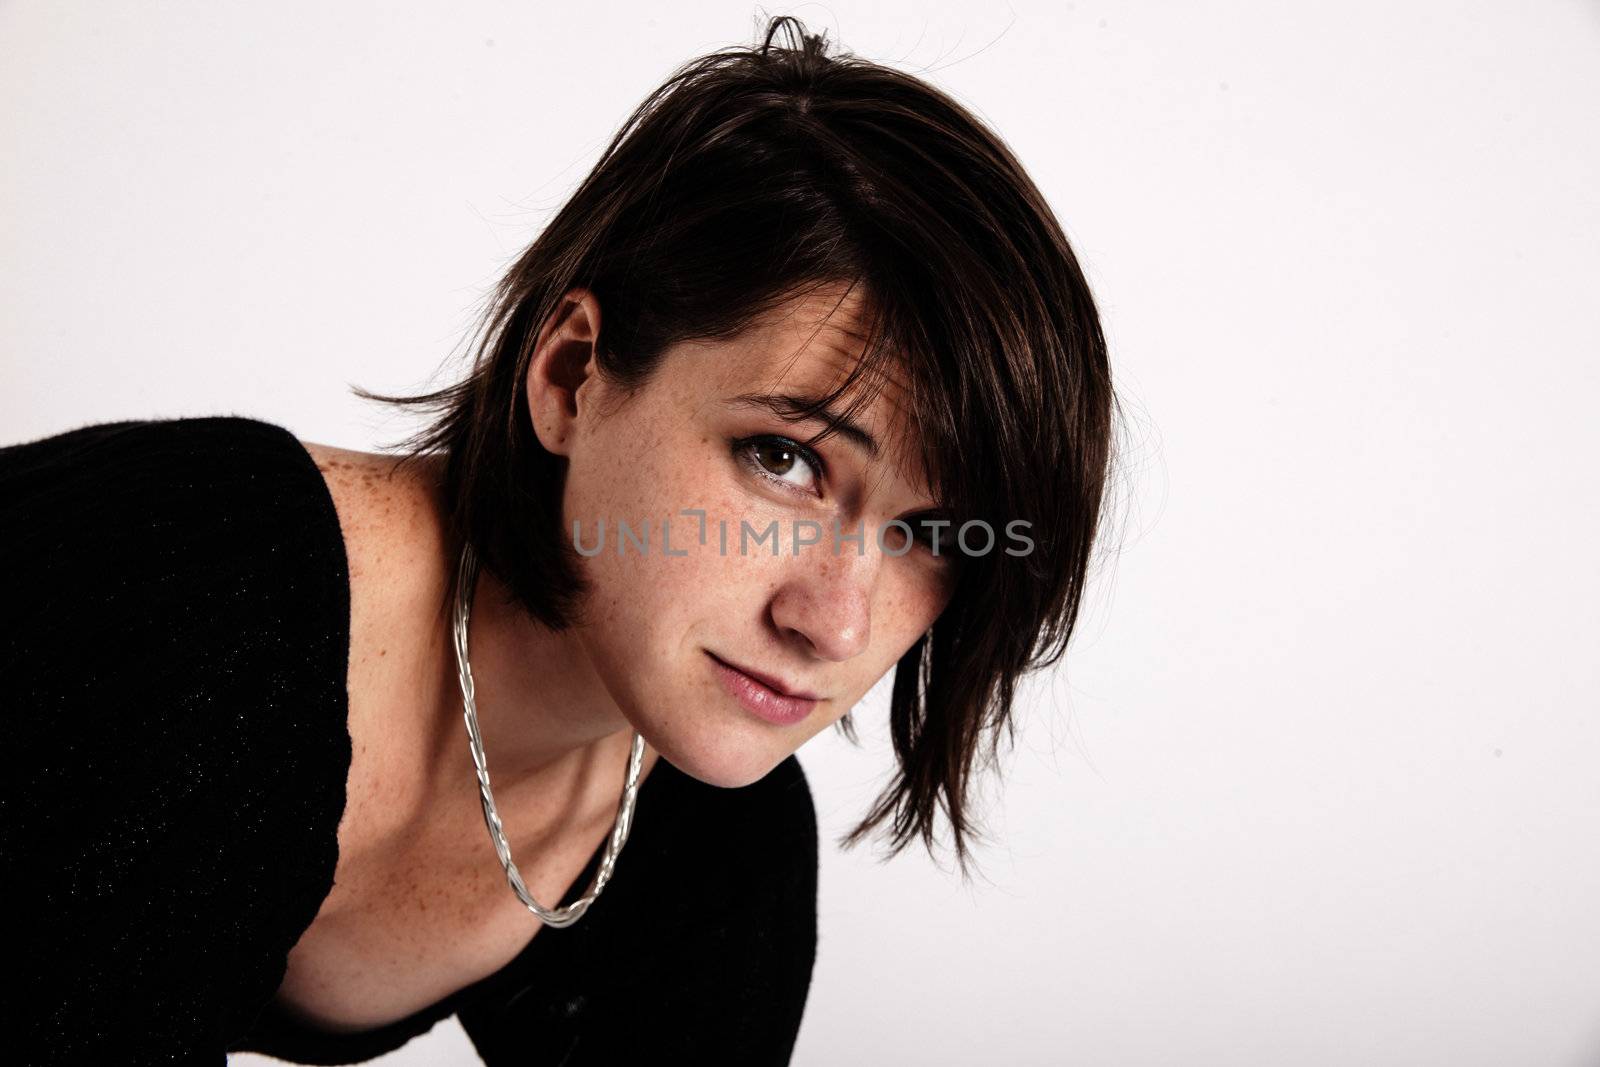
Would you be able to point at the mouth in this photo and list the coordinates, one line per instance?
(762, 695)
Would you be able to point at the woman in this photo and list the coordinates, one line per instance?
(803, 384)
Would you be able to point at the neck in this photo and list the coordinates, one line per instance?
(543, 711)
(540, 701)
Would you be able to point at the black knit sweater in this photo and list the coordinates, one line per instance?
(173, 649)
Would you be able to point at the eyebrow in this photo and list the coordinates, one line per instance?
(790, 405)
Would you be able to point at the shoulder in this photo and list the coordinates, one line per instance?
(124, 518)
(105, 503)
(391, 523)
(390, 518)
(359, 488)
(362, 485)
(154, 461)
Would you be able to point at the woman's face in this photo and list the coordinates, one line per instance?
(666, 621)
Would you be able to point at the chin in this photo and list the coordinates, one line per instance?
(723, 780)
(727, 759)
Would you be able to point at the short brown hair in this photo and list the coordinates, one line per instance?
(754, 175)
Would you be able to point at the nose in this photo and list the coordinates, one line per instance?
(824, 603)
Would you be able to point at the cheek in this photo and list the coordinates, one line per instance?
(910, 602)
(649, 612)
(648, 646)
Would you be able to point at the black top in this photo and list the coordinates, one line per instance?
(173, 650)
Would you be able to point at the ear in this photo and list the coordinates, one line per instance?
(562, 375)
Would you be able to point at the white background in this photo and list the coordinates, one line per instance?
(1319, 782)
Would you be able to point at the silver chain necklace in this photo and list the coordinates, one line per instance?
(558, 917)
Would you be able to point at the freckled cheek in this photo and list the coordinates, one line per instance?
(693, 591)
(715, 576)
(907, 607)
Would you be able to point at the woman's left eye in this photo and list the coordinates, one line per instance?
(781, 460)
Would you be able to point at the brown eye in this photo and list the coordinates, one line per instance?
(780, 460)
(777, 459)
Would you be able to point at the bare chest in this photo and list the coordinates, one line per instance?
(420, 906)
(397, 934)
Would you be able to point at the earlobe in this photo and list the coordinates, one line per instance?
(562, 362)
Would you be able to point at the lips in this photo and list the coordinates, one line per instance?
(762, 695)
